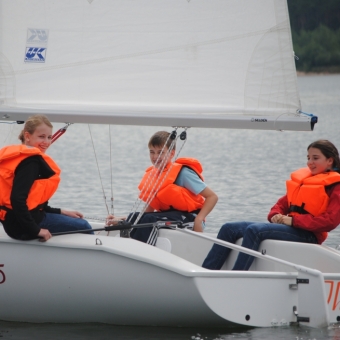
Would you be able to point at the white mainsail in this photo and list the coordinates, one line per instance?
(194, 63)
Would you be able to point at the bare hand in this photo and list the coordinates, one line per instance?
(198, 224)
(282, 219)
(74, 214)
(44, 235)
(287, 220)
(276, 218)
(113, 220)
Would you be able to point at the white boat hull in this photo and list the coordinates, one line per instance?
(99, 278)
(88, 283)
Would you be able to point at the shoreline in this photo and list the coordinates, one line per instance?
(306, 74)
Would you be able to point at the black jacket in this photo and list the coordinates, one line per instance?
(21, 223)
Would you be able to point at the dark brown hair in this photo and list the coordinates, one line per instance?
(329, 150)
(160, 138)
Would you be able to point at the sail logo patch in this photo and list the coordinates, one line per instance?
(36, 44)
(37, 36)
(35, 55)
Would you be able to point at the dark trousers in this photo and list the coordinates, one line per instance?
(253, 234)
(149, 234)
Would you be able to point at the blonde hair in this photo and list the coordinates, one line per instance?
(32, 123)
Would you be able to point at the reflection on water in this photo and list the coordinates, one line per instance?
(19, 331)
(247, 169)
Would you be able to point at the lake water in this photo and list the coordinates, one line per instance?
(247, 169)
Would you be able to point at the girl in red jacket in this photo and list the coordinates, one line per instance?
(309, 210)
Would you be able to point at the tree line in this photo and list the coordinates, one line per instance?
(315, 28)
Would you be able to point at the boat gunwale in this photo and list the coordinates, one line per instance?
(182, 267)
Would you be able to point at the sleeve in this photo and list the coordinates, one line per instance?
(51, 210)
(280, 207)
(26, 173)
(326, 221)
(188, 179)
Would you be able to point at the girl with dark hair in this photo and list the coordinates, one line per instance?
(308, 211)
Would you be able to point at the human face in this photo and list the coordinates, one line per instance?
(317, 161)
(157, 155)
(41, 138)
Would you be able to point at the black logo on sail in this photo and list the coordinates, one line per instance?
(259, 120)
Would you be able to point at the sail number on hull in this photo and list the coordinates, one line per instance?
(334, 289)
(2, 274)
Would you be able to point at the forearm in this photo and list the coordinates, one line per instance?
(324, 222)
(208, 206)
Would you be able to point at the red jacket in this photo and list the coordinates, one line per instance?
(320, 224)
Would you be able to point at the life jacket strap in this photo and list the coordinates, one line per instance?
(190, 215)
(196, 212)
(39, 207)
(298, 209)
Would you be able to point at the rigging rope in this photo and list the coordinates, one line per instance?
(151, 175)
(8, 134)
(100, 178)
(159, 184)
(111, 168)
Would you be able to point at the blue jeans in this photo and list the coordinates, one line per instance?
(56, 223)
(253, 234)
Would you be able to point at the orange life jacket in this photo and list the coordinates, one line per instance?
(41, 190)
(169, 195)
(306, 193)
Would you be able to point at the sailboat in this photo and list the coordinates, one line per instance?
(180, 63)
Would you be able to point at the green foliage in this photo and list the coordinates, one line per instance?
(316, 34)
(309, 14)
(318, 50)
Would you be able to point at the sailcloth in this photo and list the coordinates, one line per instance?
(195, 63)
